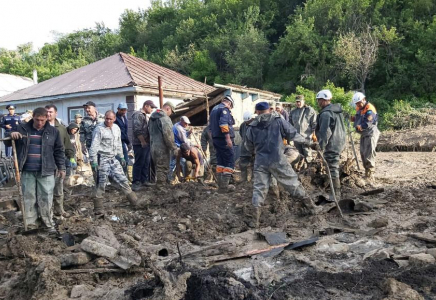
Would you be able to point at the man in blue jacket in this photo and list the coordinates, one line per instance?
(10, 123)
(121, 121)
(223, 135)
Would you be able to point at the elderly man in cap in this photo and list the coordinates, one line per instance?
(303, 118)
(106, 145)
(162, 141)
(264, 137)
(223, 135)
(141, 146)
(282, 111)
(181, 135)
(365, 122)
(10, 123)
(122, 122)
(41, 157)
(330, 133)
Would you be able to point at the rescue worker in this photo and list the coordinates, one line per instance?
(105, 146)
(330, 133)
(87, 126)
(10, 123)
(223, 135)
(123, 124)
(73, 131)
(181, 135)
(264, 137)
(303, 118)
(194, 163)
(78, 119)
(58, 192)
(282, 111)
(246, 157)
(162, 141)
(41, 157)
(206, 141)
(142, 168)
(365, 123)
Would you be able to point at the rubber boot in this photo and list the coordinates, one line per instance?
(369, 174)
(98, 202)
(244, 176)
(257, 213)
(223, 182)
(276, 191)
(133, 199)
(337, 187)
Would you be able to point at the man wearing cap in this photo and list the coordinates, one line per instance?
(365, 123)
(162, 141)
(330, 133)
(121, 121)
(223, 135)
(105, 146)
(73, 131)
(10, 123)
(141, 146)
(58, 192)
(282, 111)
(89, 123)
(78, 119)
(303, 118)
(246, 158)
(181, 136)
(264, 137)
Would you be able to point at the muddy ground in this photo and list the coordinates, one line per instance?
(196, 244)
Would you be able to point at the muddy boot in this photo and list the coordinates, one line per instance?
(98, 202)
(310, 206)
(337, 187)
(244, 176)
(133, 199)
(369, 174)
(257, 213)
(276, 191)
(58, 208)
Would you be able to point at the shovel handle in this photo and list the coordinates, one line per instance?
(18, 183)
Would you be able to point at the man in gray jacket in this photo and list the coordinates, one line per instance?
(264, 137)
(162, 141)
(303, 118)
(106, 144)
(330, 132)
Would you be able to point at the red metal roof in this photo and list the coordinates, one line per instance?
(116, 71)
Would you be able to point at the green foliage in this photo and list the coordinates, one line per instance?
(405, 115)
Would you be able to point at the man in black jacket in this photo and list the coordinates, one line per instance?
(40, 154)
(122, 122)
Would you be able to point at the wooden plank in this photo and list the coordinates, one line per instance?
(203, 106)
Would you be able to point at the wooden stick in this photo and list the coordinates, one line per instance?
(100, 270)
(18, 183)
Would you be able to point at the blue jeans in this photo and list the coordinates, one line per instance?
(173, 166)
(142, 168)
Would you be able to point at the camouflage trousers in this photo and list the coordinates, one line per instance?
(283, 173)
(161, 159)
(111, 167)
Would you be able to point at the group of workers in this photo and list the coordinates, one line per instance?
(47, 151)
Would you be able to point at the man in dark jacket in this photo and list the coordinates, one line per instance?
(41, 155)
(10, 123)
(223, 135)
(264, 137)
(246, 158)
(162, 141)
(141, 146)
(330, 132)
(58, 192)
(121, 121)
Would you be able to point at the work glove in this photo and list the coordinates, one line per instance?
(73, 163)
(315, 146)
(314, 139)
(123, 162)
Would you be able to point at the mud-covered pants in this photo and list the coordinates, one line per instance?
(161, 159)
(305, 151)
(368, 145)
(332, 159)
(225, 157)
(38, 198)
(283, 173)
(58, 196)
(112, 167)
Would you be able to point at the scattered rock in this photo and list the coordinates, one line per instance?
(74, 259)
(97, 246)
(378, 254)
(181, 227)
(432, 252)
(79, 290)
(421, 259)
(427, 237)
(102, 262)
(379, 222)
(332, 246)
(400, 291)
(394, 238)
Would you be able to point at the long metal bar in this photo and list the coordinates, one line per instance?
(350, 137)
(159, 82)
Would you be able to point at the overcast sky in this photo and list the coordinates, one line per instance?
(23, 21)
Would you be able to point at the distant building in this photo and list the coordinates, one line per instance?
(11, 83)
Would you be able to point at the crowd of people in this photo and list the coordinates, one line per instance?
(48, 151)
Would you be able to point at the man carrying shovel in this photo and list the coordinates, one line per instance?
(41, 157)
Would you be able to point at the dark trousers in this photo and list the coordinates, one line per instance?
(142, 165)
(225, 156)
(8, 151)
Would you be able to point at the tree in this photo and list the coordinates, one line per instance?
(357, 54)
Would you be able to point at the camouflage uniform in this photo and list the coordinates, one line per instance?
(106, 144)
(162, 143)
(87, 127)
(304, 120)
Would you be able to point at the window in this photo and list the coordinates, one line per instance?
(72, 111)
(103, 108)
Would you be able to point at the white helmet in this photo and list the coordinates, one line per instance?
(357, 97)
(230, 99)
(324, 94)
(247, 115)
